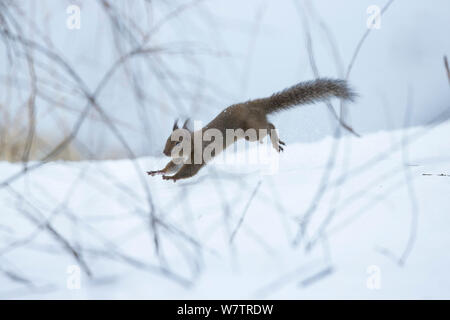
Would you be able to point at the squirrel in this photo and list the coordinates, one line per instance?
(253, 115)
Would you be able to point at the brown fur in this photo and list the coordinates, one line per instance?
(253, 115)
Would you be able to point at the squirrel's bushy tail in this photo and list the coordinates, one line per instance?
(308, 92)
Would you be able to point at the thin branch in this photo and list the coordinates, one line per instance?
(236, 229)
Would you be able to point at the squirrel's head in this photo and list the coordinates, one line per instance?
(170, 143)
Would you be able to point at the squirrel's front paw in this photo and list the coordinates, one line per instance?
(154, 173)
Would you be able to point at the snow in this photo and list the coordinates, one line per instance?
(101, 207)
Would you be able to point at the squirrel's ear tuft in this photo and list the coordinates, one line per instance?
(185, 125)
(175, 125)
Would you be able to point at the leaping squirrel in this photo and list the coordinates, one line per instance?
(253, 115)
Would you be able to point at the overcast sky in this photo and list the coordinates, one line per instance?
(259, 48)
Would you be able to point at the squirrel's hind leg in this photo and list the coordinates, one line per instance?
(276, 142)
(186, 171)
(169, 168)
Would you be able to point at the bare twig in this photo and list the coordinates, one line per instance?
(236, 229)
(447, 68)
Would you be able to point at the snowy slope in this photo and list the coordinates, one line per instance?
(101, 209)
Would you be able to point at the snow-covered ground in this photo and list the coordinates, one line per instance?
(378, 206)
